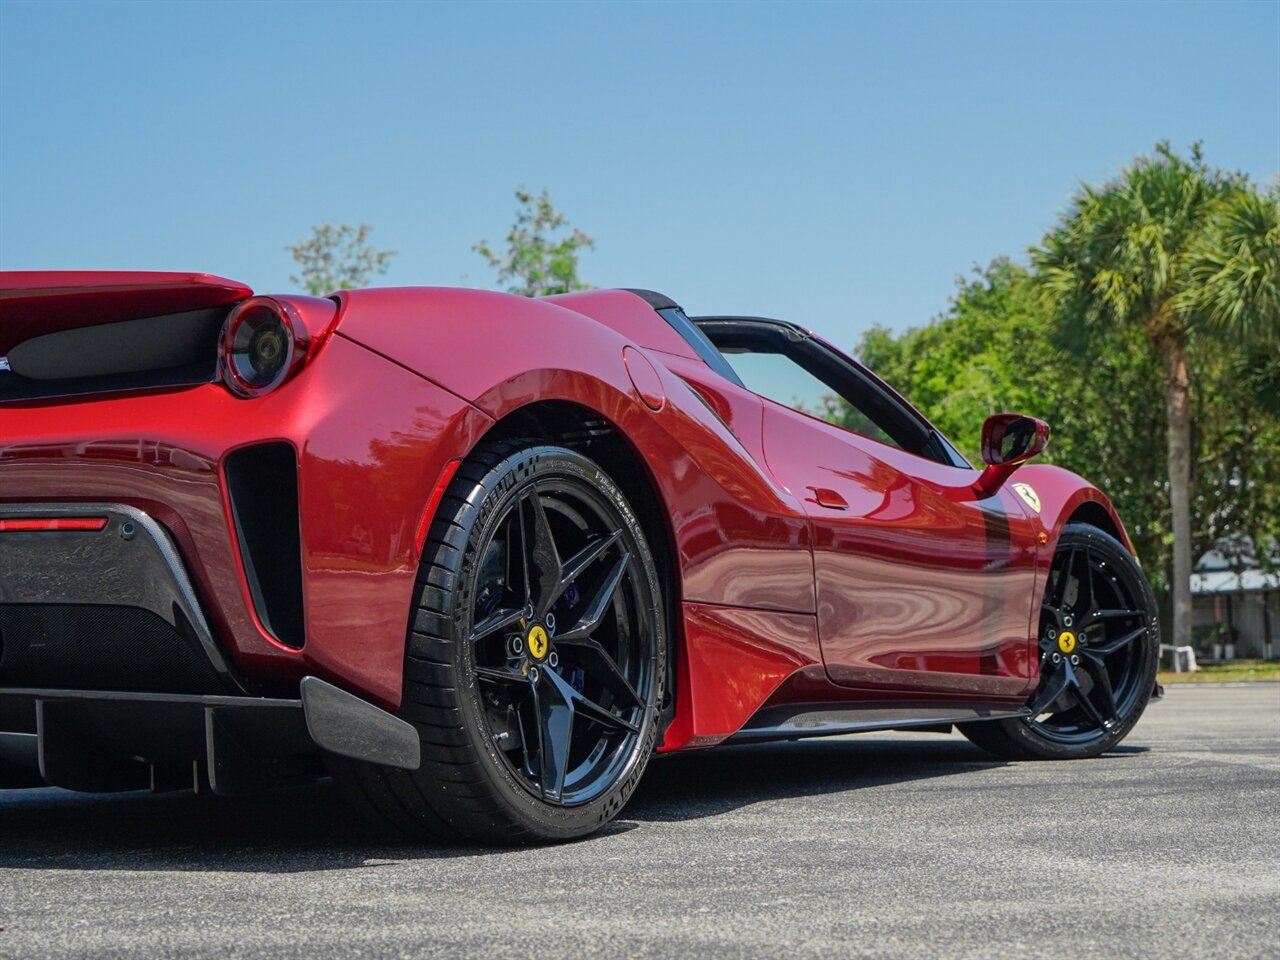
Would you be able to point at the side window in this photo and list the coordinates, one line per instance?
(786, 365)
(779, 378)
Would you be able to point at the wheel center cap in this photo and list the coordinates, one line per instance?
(537, 642)
(1066, 641)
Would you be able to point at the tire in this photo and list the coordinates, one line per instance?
(1099, 647)
(529, 734)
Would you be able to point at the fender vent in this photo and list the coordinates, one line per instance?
(262, 484)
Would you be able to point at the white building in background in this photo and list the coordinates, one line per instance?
(1236, 603)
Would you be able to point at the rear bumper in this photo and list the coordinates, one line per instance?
(370, 439)
(111, 741)
(103, 605)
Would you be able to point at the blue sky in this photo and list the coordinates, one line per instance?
(832, 164)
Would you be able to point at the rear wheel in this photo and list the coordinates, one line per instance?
(535, 659)
(1098, 646)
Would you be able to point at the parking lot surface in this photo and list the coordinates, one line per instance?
(885, 845)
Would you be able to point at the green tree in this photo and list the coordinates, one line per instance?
(1136, 255)
(337, 258)
(1236, 291)
(540, 258)
(972, 361)
(1235, 488)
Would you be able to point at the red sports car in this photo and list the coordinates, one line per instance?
(478, 556)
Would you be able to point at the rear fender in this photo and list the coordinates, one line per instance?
(741, 540)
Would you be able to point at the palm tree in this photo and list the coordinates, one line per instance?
(1176, 251)
(1235, 269)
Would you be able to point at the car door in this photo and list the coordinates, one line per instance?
(920, 584)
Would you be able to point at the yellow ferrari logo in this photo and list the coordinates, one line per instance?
(537, 641)
(1066, 641)
(1028, 493)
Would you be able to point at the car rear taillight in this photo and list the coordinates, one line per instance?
(264, 343)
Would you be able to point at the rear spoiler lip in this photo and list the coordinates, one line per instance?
(36, 302)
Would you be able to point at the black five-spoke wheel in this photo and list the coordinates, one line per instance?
(536, 656)
(1097, 647)
(558, 642)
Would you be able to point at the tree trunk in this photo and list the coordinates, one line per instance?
(1178, 410)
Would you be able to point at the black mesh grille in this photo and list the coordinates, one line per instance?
(81, 647)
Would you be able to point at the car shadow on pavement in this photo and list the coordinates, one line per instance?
(311, 828)
(707, 783)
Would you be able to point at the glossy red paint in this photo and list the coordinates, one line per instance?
(644, 378)
(1061, 495)
(734, 659)
(736, 530)
(627, 315)
(811, 565)
(915, 588)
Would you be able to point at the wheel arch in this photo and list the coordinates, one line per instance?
(1096, 515)
(1065, 497)
(589, 432)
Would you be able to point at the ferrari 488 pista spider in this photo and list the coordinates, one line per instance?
(478, 557)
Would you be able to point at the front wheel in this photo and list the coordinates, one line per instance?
(536, 656)
(1099, 650)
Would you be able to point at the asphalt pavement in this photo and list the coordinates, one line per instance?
(885, 845)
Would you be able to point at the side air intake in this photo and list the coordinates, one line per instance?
(262, 483)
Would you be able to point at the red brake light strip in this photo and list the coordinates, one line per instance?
(49, 524)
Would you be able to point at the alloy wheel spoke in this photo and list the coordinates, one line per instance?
(1084, 584)
(1087, 705)
(1108, 647)
(500, 674)
(498, 620)
(1054, 687)
(587, 709)
(525, 752)
(573, 567)
(1097, 672)
(555, 733)
(541, 551)
(1099, 615)
(524, 553)
(590, 710)
(1060, 587)
(595, 608)
(595, 660)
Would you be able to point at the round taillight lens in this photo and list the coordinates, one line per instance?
(263, 344)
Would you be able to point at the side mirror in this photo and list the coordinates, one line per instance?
(1008, 441)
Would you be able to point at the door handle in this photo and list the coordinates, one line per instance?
(828, 498)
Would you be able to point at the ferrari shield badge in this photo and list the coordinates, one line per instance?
(1028, 493)
(537, 641)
